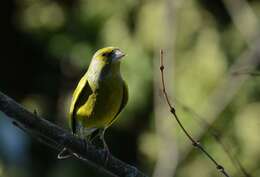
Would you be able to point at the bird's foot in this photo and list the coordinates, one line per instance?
(106, 154)
(105, 148)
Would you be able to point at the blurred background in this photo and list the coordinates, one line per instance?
(212, 75)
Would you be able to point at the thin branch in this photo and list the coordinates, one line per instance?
(195, 143)
(104, 163)
(217, 135)
(233, 158)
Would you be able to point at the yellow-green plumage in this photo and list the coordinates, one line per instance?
(100, 95)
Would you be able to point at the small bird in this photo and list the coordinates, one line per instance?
(100, 96)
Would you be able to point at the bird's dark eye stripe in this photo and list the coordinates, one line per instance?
(106, 54)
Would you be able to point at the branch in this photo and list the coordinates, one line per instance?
(217, 135)
(55, 136)
(195, 143)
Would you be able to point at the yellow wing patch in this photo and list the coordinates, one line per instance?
(80, 96)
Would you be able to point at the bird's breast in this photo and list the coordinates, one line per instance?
(104, 103)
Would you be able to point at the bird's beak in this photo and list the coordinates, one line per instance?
(118, 54)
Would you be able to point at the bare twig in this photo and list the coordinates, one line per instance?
(217, 135)
(195, 143)
(104, 163)
(233, 158)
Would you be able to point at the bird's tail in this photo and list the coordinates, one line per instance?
(64, 154)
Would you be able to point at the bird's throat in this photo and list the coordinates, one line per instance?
(99, 71)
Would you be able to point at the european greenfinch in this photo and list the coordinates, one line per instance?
(100, 96)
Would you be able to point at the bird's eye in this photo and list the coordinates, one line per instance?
(106, 54)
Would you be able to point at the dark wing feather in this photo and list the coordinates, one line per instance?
(80, 97)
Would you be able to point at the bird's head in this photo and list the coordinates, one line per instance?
(106, 61)
(109, 55)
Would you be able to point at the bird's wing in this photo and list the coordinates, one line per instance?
(123, 102)
(80, 96)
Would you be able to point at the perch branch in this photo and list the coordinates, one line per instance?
(55, 137)
(195, 143)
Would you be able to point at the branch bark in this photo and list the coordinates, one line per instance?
(55, 137)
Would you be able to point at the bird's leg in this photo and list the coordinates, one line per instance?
(91, 138)
(102, 137)
(84, 145)
(105, 147)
